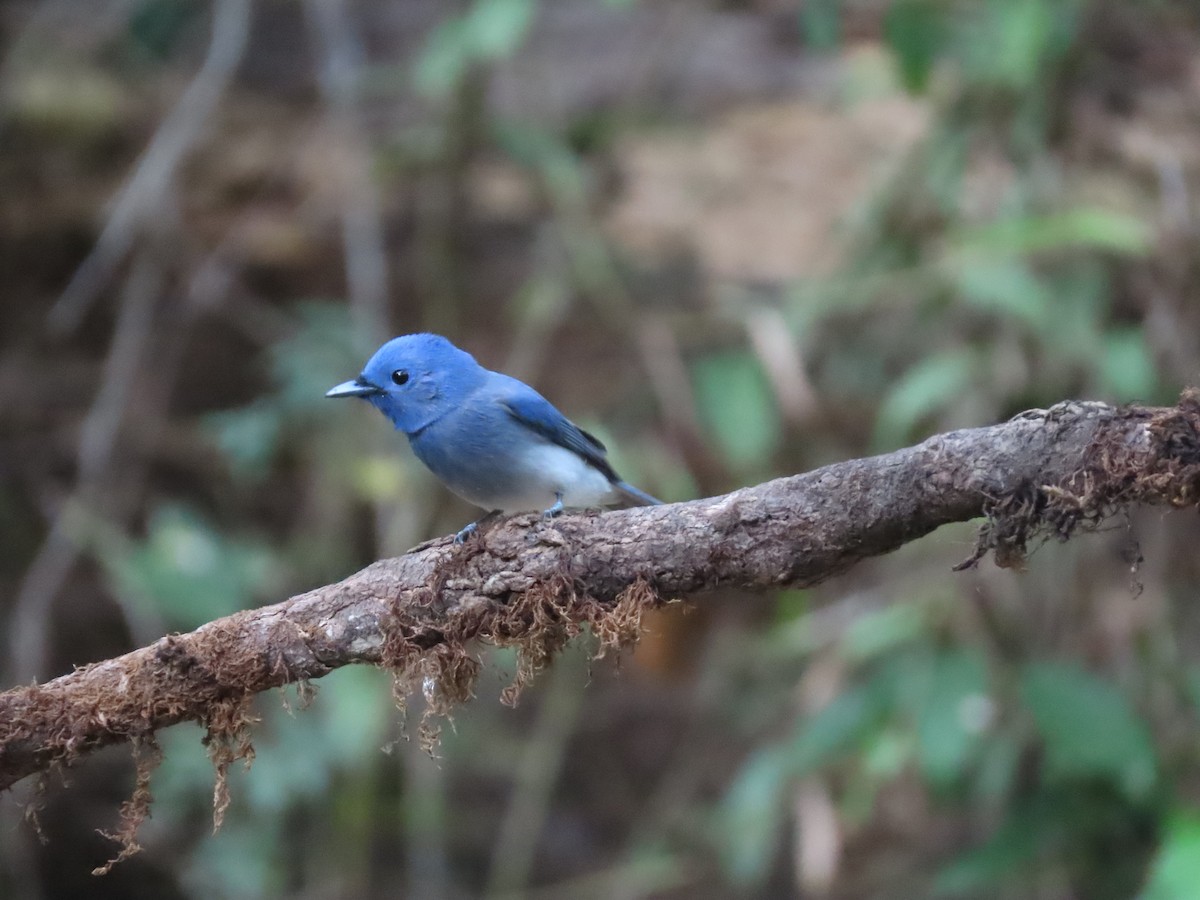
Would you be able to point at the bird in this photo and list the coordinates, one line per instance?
(491, 439)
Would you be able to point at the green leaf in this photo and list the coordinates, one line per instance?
(444, 60)
(248, 437)
(1077, 317)
(738, 407)
(1006, 287)
(546, 154)
(921, 391)
(1175, 871)
(1192, 685)
(916, 32)
(497, 27)
(823, 737)
(157, 26)
(1025, 834)
(315, 356)
(1088, 727)
(1085, 227)
(490, 30)
(239, 862)
(953, 716)
(792, 605)
(1018, 35)
(999, 759)
(187, 571)
(820, 22)
(873, 634)
(752, 817)
(318, 353)
(1126, 367)
(886, 754)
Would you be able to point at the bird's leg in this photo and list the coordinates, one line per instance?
(469, 530)
(556, 508)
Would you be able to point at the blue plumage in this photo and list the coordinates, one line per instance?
(491, 439)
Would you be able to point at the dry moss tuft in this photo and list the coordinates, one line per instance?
(1176, 435)
(448, 674)
(433, 660)
(425, 647)
(34, 807)
(228, 723)
(1137, 457)
(1012, 521)
(146, 756)
(306, 695)
(540, 623)
(537, 624)
(620, 626)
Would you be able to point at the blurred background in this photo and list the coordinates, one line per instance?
(734, 239)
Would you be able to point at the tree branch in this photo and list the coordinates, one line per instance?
(534, 584)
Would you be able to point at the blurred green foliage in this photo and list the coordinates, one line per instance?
(1176, 871)
(959, 297)
(316, 355)
(982, 277)
(187, 571)
(156, 28)
(933, 295)
(489, 30)
(739, 409)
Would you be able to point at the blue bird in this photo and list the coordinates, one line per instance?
(491, 439)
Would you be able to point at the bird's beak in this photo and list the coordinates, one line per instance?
(359, 387)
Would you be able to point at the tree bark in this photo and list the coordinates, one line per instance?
(535, 583)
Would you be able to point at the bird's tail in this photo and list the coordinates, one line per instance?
(633, 496)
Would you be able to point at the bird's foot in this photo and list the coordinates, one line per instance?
(467, 531)
(556, 508)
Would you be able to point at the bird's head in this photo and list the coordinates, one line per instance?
(414, 380)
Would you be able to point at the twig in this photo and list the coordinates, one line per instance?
(143, 192)
(428, 872)
(663, 361)
(362, 220)
(535, 779)
(98, 438)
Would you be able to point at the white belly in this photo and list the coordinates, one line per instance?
(549, 470)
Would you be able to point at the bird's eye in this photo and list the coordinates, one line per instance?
(400, 377)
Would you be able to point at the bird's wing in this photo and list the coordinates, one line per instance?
(538, 414)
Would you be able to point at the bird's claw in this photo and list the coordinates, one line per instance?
(467, 531)
(554, 510)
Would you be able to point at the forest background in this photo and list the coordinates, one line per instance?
(735, 240)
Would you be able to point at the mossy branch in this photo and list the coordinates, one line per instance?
(534, 584)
